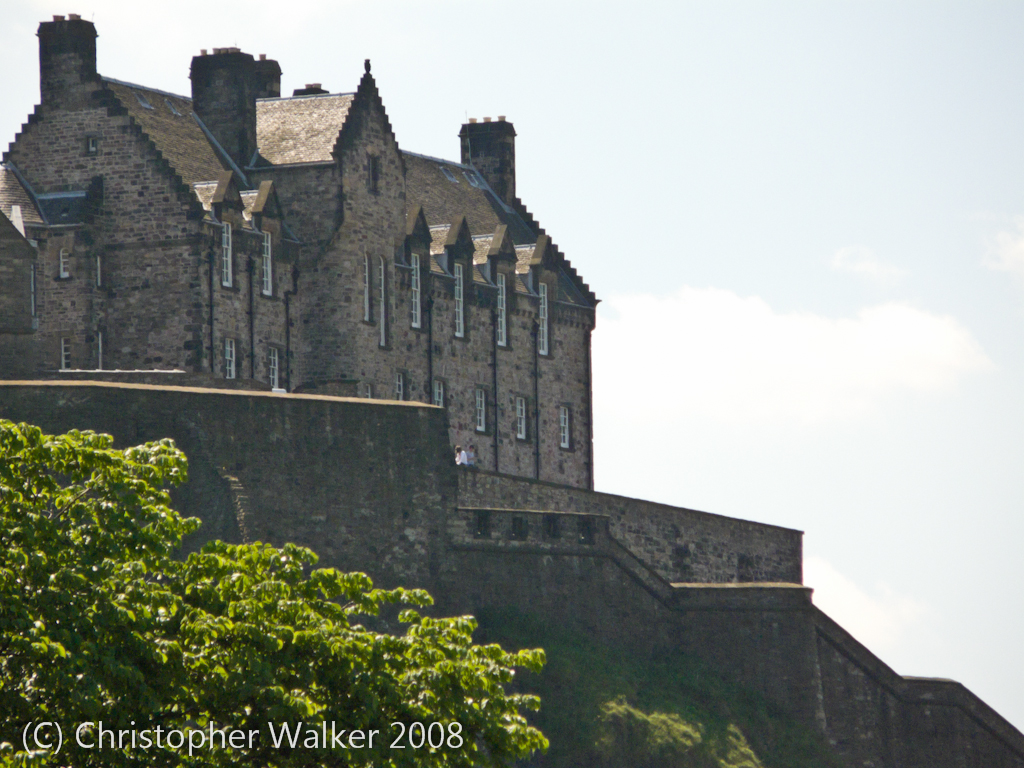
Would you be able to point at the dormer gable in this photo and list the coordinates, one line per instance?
(417, 233)
(227, 199)
(459, 244)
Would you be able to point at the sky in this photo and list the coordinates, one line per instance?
(805, 221)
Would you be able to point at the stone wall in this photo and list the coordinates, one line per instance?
(681, 545)
(370, 486)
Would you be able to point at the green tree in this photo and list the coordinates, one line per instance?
(98, 622)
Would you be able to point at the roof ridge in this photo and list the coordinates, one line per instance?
(439, 160)
(145, 88)
(305, 96)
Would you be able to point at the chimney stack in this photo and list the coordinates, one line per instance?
(67, 59)
(490, 147)
(268, 78)
(225, 86)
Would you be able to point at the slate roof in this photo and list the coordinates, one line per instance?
(13, 193)
(300, 129)
(427, 184)
(63, 207)
(178, 136)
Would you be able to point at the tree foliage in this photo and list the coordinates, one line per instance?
(99, 622)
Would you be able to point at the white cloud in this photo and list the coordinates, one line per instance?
(878, 618)
(719, 356)
(862, 261)
(1009, 251)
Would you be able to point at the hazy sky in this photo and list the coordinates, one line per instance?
(806, 224)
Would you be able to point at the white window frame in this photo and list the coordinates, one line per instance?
(481, 409)
(460, 308)
(366, 288)
(63, 266)
(65, 353)
(415, 295)
(268, 266)
(274, 367)
(92, 145)
(521, 418)
(368, 389)
(564, 427)
(226, 267)
(439, 392)
(399, 386)
(99, 271)
(230, 370)
(383, 341)
(542, 338)
(502, 313)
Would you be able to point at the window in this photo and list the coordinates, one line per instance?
(142, 99)
(439, 392)
(460, 310)
(481, 410)
(366, 288)
(399, 386)
(92, 145)
(542, 338)
(64, 263)
(65, 353)
(383, 305)
(225, 255)
(483, 524)
(448, 174)
(99, 350)
(502, 324)
(552, 529)
(473, 178)
(416, 315)
(520, 528)
(274, 365)
(521, 418)
(99, 272)
(368, 390)
(32, 287)
(229, 358)
(170, 106)
(373, 175)
(268, 266)
(563, 427)
(585, 530)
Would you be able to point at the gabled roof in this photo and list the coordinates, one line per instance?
(169, 123)
(447, 189)
(13, 192)
(300, 129)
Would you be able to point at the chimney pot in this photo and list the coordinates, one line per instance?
(472, 119)
(263, 57)
(58, 18)
(202, 52)
(74, 17)
(487, 119)
(501, 118)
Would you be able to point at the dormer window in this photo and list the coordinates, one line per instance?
(460, 309)
(170, 106)
(542, 332)
(473, 178)
(415, 292)
(448, 174)
(502, 314)
(142, 100)
(268, 266)
(226, 277)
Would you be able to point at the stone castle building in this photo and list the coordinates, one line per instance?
(289, 243)
(238, 241)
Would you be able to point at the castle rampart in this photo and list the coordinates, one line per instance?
(371, 486)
